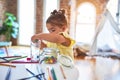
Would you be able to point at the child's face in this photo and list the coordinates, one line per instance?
(54, 29)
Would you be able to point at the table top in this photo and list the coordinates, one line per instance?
(97, 68)
(20, 71)
(102, 66)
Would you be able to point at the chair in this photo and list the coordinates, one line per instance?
(5, 45)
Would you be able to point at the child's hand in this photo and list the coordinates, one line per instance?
(34, 38)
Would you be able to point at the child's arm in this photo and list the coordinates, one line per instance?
(51, 37)
(43, 45)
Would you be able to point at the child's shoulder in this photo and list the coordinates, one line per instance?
(64, 33)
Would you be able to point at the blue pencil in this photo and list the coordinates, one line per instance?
(8, 74)
(33, 74)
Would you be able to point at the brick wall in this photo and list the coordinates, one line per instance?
(99, 5)
(11, 6)
(39, 16)
(64, 4)
(3, 8)
(7, 6)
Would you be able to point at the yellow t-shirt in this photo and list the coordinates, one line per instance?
(68, 51)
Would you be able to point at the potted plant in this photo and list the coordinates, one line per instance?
(9, 27)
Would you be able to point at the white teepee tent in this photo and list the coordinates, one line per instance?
(107, 35)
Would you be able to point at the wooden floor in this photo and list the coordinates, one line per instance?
(90, 68)
(98, 68)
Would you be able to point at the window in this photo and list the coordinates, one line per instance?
(26, 15)
(86, 22)
(49, 6)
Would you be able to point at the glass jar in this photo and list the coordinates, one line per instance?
(49, 55)
(35, 51)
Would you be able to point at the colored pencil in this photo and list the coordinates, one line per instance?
(53, 74)
(5, 60)
(8, 74)
(25, 62)
(10, 60)
(33, 74)
(62, 72)
(6, 64)
(11, 56)
(49, 74)
(17, 58)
